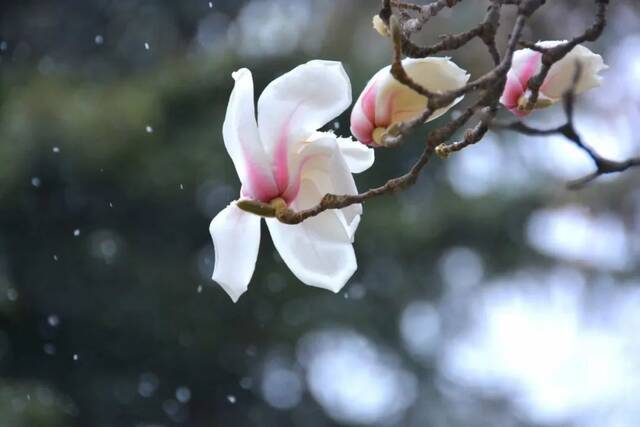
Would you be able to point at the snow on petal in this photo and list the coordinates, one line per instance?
(236, 239)
(318, 251)
(242, 141)
(385, 101)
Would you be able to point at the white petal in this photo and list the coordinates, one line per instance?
(434, 74)
(301, 101)
(560, 77)
(242, 140)
(318, 251)
(236, 239)
(327, 169)
(358, 156)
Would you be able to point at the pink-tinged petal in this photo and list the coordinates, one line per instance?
(259, 183)
(236, 239)
(387, 109)
(361, 127)
(298, 103)
(363, 115)
(524, 65)
(513, 90)
(281, 157)
(530, 68)
(318, 251)
(369, 102)
(242, 141)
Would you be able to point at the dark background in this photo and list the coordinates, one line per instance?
(487, 294)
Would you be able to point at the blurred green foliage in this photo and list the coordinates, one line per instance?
(134, 161)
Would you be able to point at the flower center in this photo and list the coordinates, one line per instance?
(524, 105)
(267, 210)
(377, 135)
(278, 203)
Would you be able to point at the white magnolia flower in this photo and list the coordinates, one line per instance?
(283, 159)
(527, 63)
(385, 101)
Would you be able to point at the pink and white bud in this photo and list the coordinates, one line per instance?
(385, 101)
(527, 63)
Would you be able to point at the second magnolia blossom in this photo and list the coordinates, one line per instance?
(527, 63)
(385, 101)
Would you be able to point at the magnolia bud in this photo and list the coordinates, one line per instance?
(385, 101)
(527, 63)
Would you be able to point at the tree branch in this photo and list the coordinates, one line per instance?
(568, 130)
(405, 19)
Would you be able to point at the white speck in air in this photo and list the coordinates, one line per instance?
(183, 394)
(53, 320)
(49, 349)
(12, 294)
